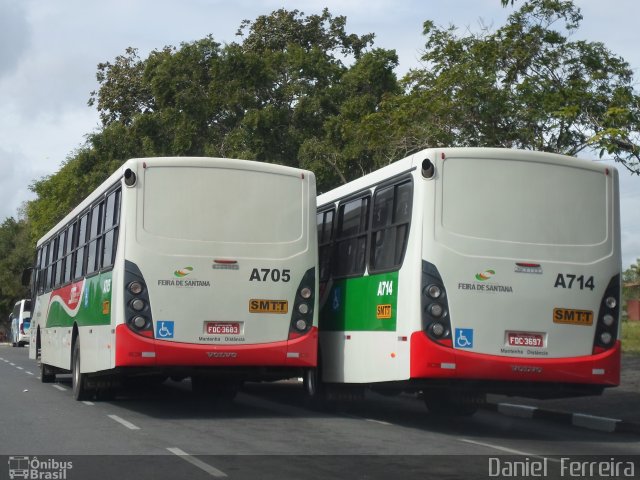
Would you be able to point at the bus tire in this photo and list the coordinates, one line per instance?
(78, 379)
(46, 373)
(311, 382)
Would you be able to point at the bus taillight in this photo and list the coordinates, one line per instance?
(435, 307)
(136, 296)
(607, 326)
(302, 315)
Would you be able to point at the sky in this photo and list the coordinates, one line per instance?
(50, 49)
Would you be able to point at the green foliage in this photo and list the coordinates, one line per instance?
(631, 282)
(631, 338)
(16, 254)
(523, 86)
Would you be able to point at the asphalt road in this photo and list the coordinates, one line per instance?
(268, 431)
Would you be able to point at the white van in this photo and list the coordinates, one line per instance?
(20, 323)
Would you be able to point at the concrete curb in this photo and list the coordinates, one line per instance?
(591, 422)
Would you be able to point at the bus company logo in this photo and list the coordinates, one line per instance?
(483, 283)
(74, 294)
(34, 468)
(179, 279)
(183, 272)
(486, 275)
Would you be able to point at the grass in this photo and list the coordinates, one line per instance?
(631, 338)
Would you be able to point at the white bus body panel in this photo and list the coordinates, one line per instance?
(495, 209)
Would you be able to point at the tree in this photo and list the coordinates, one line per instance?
(16, 254)
(302, 91)
(524, 86)
(282, 94)
(631, 282)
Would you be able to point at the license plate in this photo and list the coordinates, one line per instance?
(222, 328)
(257, 305)
(522, 339)
(572, 316)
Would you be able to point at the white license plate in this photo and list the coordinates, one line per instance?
(222, 328)
(525, 339)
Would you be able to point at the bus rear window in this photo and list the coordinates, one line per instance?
(222, 205)
(524, 202)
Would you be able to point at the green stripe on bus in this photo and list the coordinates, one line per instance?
(95, 305)
(362, 304)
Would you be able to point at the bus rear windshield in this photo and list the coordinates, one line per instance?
(524, 202)
(222, 205)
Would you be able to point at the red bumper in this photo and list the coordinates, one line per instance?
(430, 360)
(133, 350)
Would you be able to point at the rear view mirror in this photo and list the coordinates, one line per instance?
(26, 276)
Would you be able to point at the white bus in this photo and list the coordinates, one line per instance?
(20, 320)
(458, 272)
(181, 267)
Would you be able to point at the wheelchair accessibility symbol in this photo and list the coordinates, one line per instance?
(164, 329)
(464, 338)
(335, 301)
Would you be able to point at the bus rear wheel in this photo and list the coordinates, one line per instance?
(311, 382)
(453, 404)
(79, 380)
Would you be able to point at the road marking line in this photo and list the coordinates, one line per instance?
(377, 421)
(213, 471)
(12, 364)
(505, 449)
(20, 368)
(122, 421)
(88, 403)
(62, 389)
(28, 372)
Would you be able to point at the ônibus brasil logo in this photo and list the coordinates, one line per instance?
(486, 275)
(32, 467)
(183, 272)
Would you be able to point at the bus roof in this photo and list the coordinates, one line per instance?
(414, 161)
(148, 162)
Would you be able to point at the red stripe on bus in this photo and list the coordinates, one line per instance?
(428, 357)
(135, 350)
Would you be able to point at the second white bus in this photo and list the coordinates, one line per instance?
(458, 272)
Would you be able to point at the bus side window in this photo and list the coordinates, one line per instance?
(325, 237)
(80, 251)
(59, 266)
(391, 217)
(37, 270)
(351, 245)
(111, 221)
(68, 252)
(93, 260)
(46, 275)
